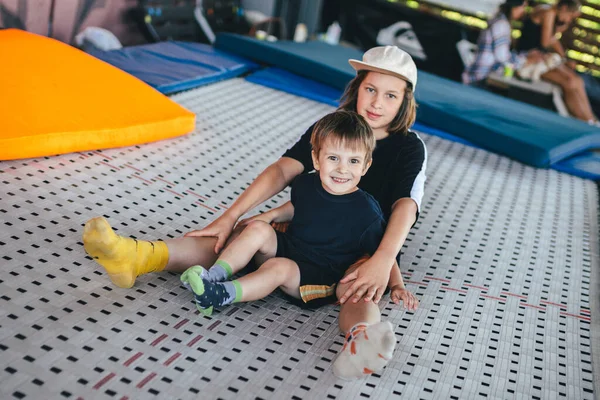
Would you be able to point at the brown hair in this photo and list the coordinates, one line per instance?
(402, 121)
(346, 128)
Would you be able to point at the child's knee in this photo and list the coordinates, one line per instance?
(259, 228)
(284, 268)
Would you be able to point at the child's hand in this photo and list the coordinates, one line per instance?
(220, 228)
(398, 293)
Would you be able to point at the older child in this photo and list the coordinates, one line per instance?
(383, 93)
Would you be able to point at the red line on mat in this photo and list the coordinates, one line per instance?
(175, 193)
(196, 194)
(436, 279)
(146, 380)
(211, 209)
(194, 340)
(172, 358)
(181, 323)
(133, 168)
(553, 304)
(584, 311)
(139, 177)
(159, 339)
(476, 287)
(213, 326)
(161, 179)
(124, 398)
(514, 295)
(576, 316)
(132, 359)
(532, 306)
(453, 289)
(112, 166)
(104, 380)
(493, 297)
(224, 206)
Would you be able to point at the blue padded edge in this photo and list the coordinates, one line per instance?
(171, 67)
(526, 133)
(285, 81)
(585, 165)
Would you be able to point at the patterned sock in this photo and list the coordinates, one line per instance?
(219, 272)
(210, 294)
(367, 349)
(124, 259)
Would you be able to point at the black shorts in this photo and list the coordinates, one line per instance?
(317, 282)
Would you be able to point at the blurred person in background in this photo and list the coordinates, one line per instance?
(494, 45)
(541, 31)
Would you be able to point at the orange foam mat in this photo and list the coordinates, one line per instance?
(56, 99)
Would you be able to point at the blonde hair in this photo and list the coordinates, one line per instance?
(346, 128)
(407, 114)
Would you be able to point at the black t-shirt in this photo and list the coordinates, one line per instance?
(397, 171)
(333, 230)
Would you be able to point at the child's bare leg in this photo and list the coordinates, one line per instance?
(355, 313)
(258, 239)
(187, 251)
(274, 273)
(369, 343)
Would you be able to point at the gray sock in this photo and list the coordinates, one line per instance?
(219, 272)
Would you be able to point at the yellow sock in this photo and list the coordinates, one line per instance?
(124, 259)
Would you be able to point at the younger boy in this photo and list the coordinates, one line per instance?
(333, 223)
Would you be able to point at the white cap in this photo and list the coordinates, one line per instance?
(388, 60)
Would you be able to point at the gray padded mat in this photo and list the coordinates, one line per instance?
(501, 260)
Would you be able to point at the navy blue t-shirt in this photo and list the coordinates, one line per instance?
(333, 230)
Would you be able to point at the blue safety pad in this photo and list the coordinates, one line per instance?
(285, 81)
(171, 67)
(524, 132)
(585, 165)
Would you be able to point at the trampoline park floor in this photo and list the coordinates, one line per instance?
(501, 259)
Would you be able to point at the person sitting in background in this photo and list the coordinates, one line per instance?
(540, 31)
(494, 45)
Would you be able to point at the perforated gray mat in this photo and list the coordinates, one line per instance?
(501, 260)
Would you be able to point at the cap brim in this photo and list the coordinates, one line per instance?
(362, 66)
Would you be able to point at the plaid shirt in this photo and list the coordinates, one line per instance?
(493, 50)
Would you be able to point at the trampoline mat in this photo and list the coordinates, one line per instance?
(501, 260)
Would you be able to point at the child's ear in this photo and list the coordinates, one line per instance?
(315, 160)
(367, 166)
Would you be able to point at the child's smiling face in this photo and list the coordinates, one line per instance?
(340, 167)
(379, 99)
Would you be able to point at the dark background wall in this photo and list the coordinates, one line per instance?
(70, 17)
